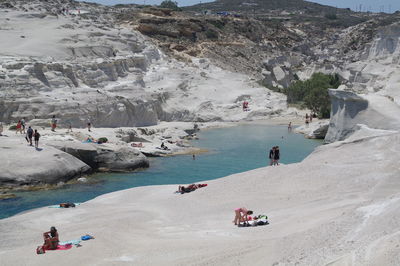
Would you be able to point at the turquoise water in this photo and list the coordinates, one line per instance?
(231, 150)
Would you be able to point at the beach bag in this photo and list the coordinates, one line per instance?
(40, 250)
(87, 237)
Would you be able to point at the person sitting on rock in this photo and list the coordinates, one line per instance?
(137, 145)
(163, 147)
(50, 239)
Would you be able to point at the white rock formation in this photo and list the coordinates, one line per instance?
(350, 109)
(22, 164)
(89, 68)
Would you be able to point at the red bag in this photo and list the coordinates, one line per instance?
(40, 250)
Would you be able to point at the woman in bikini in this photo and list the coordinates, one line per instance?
(241, 215)
(50, 239)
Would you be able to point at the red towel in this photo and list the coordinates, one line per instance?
(64, 247)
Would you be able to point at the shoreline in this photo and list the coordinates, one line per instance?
(157, 215)
(56, 138)
(88, 179)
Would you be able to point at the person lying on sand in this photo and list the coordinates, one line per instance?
(241, 215)
(67, 205)
(50, 239)
(190, 188)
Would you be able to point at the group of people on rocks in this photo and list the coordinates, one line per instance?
(274, 155)
(32, 135)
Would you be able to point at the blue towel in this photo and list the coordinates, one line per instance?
(71, 242)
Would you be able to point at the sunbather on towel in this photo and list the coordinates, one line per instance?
(50, 239)
(67, 205)
(190, 188)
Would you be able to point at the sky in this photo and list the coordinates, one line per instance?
(388, 6)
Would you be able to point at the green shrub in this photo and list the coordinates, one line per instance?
(331, 16)
(314, 93)
(170, 4)
(210, 34)
(102, 140)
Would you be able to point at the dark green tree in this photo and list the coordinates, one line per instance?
(314, 93)
(169, 4)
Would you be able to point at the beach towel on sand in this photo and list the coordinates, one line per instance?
(41, 250)
(64, 247)
(71, 242)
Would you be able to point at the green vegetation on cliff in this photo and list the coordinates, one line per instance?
(170, 4)
(313, 93)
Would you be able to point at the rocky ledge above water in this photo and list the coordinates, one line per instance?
(64, 156)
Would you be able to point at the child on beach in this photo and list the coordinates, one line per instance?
(241, 215)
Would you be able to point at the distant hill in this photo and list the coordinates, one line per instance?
(263, 6)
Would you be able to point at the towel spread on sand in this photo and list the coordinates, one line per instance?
(70, 242)
(64, 247)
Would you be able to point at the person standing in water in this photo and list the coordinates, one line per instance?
(271, 156)
(36, 136)
(276, 155)
(289, 127)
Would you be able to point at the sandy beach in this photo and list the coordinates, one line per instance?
(329, 209)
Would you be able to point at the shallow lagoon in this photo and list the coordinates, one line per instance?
(231, 150)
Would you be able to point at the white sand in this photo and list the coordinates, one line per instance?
(339, 206)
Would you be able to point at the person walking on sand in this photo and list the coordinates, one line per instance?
(36, 136)
(89, 126)
(53, 123)
(241, 215)
(69, 127)
(23, 125)
(29, 135)
(271, 156)
(276, 155)
(18, 128)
